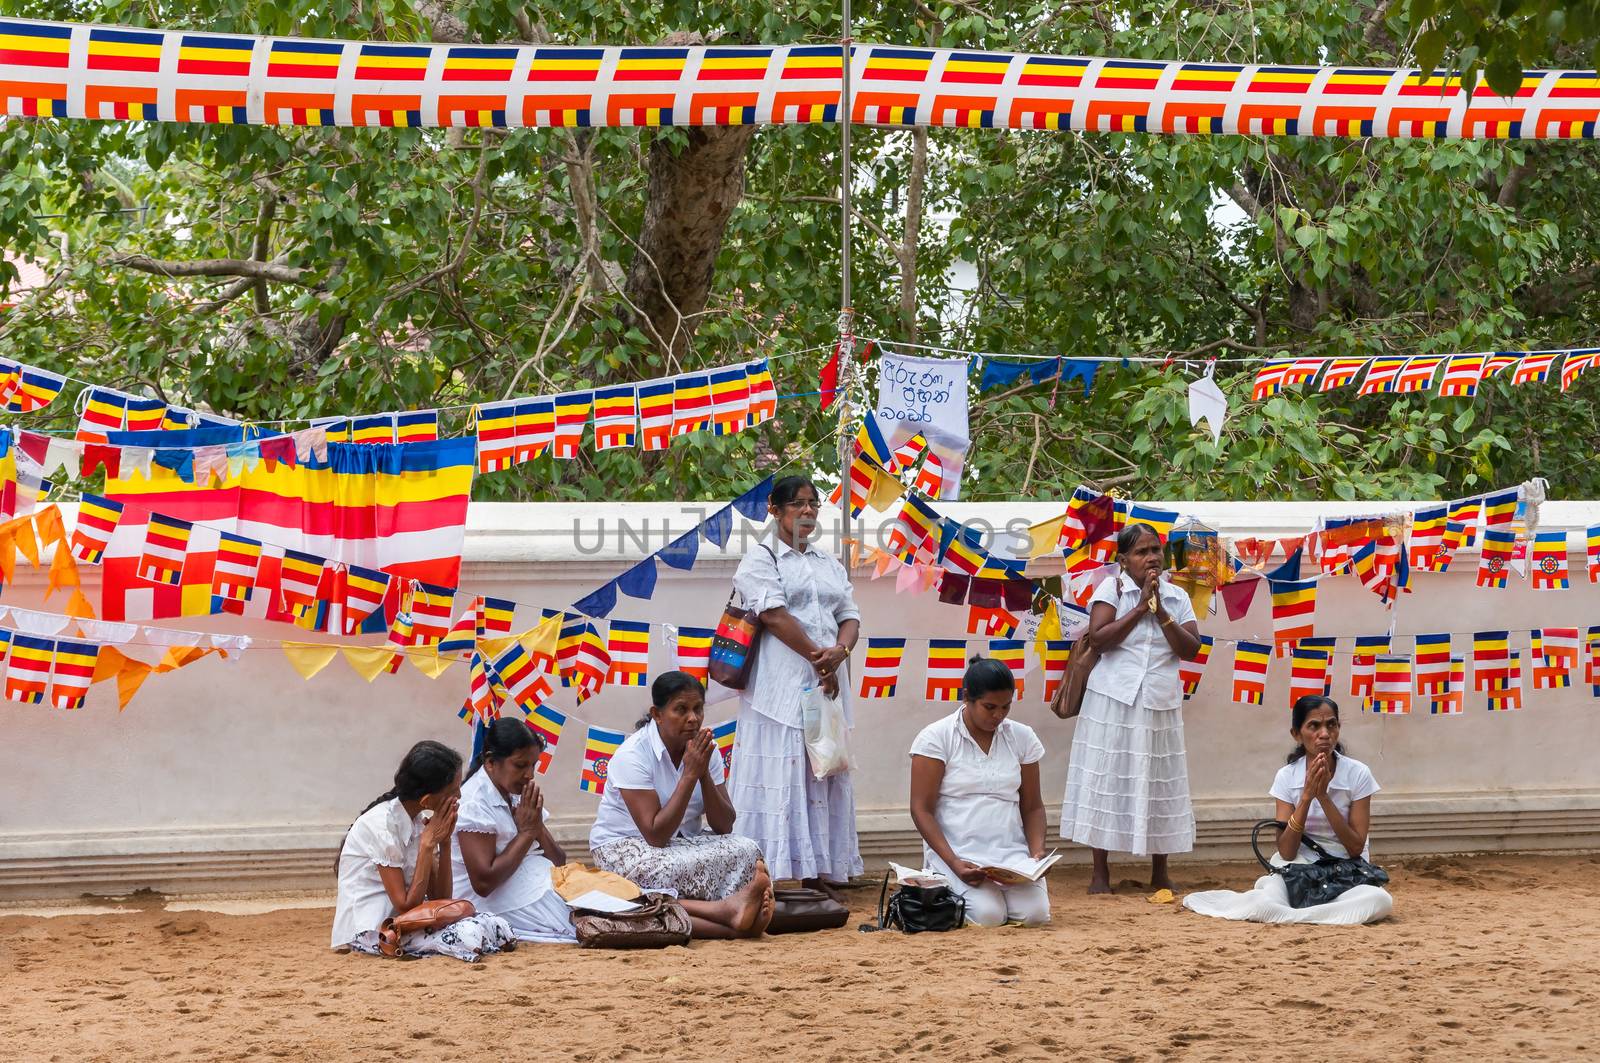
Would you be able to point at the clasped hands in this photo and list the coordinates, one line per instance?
(827, 662)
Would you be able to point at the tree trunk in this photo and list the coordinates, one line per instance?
(691, 195)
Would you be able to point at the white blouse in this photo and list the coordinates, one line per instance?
(979, 806)
(484, 811)
(1352, 780)
(814, 587)
(1142, 668)
(384, 836)
(643, 763)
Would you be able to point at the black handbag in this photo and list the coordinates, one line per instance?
(1311, 884)
(914, 909)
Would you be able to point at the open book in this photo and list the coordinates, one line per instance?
(1021, 871)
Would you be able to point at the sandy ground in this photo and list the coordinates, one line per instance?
(1487, 957)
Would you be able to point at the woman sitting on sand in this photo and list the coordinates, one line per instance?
(503, 850)
(1323, 794)
(975, 799)
(397, 855)
(661, 783)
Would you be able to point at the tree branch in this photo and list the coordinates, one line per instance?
(220, 267)
(913, 228)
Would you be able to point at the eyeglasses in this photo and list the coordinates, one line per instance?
(802, 503)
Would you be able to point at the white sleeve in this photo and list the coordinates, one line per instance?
(1184, 611)
(628, 770)
(757, 580)
(1282, 788)
(1032, 748)
(719, 771)
(929, 743)
(1364, 784)
(847, 606)
(374, 842)
(472, 817)
(1107, 593)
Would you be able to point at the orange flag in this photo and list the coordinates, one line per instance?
(178, 656)
(79, 606)
(63, 572)
(130, 673)
(22, 534)
(48, 521)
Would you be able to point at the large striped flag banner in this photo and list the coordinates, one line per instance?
(880, 672)
(1190, 672)
(1391, 690)
(72, 673)
(1250, 661)
(547, 723)
(184, 76)
(28, 668)
(693, 652)
(1549, 569)
(400, 509)
(1451, 700)
(598, 748)
(1012, 654)
(947, 662)
(1431, 654)
(722, 736)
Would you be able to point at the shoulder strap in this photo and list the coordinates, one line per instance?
(1310, 843)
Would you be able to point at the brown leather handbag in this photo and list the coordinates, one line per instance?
(1069, 699)
(429, 915)
(799, 911)
(659, 921)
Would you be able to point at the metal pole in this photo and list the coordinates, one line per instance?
(847, 360)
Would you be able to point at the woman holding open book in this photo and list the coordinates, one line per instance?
(976, 802)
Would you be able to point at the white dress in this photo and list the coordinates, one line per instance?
(979, 810)
(526, 900)
(695, 864)
(1268, 902)
(1128, 776)
(806, 828)
(384, 836)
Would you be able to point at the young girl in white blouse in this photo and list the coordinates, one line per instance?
(1326, 795)
(397, 855)
(503, 849)
(975, 799)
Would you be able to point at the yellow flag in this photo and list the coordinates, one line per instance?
(1044, 537)
(541, 641)
(309, 658)
(491, 648)
(368, 661)
(885, 490)
(428, 662)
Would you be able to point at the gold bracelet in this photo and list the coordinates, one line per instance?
(1298, 828)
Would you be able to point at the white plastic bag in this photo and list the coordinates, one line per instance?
(827, 734)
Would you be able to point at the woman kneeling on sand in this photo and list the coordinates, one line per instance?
(504, 852)
(975, 799)
(1321, 794)
(397, 855)
(661, 783)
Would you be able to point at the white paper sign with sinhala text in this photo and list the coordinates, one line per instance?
(927, 397)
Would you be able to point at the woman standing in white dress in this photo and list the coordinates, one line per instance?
(503, 850)
(806, 827)
(1128, 779)
(975, 799)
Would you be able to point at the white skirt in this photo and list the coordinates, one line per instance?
(547, 920)
(806, 828)
(1128, 780)
(1269, 903)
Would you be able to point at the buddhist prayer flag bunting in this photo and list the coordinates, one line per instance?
(730, 400)
(234, 575)
(628, 642)
(947, 662)
(1499, 362)
(535, 428)
(572, 413)
(1250, 672)
(722, 736)
(598, 749)
(1363, 663)
(97, 520)
(1533, 368)
(362, 593)
(166, 542)
(1053, 656)
(880, 675)
(616, 417)
(691, 403)
(28, 670)
(1462, 374)
(1591, 537)
(1391, 689)
(36, 389)
(763, 393)
(655, 413)
(300, 576)
(1494, 560)
(547, 722)
(1381, 376)
(416, 426)
(494, 616)
(1417, 374)
(1550, 561)
(523, 683)
(1427, 535)
(1506, 693)
(1451, 699)
(497, 435)
(463, 635)
(1162, 520)
(1011, 653)
(1294, 605)
(72, 673)
(430, 613)
(1555, 655)
(1431, 655)
(1189, 672)
(1500, 508)
(1308, 673)
(1591, 666)
(984, 620)
(913, 528)
(694, 651)
(1341, 371)
(104, 411)
(1491, 652)
(1575, 363)
(1465, 515)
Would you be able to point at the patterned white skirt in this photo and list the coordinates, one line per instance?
(468, 939)
(1128, 780)
(805, 827)
(707, 867)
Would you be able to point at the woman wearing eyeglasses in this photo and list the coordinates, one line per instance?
(806, 827)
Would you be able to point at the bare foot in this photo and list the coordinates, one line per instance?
(1162, 883)
(748, 901)
(1099, 885)
(769, 906)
